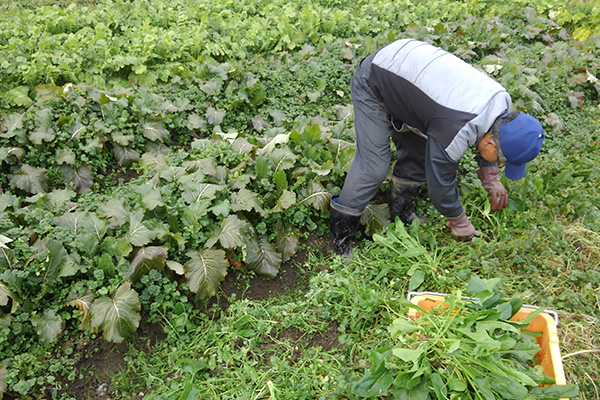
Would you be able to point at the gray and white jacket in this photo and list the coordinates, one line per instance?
(445, 99)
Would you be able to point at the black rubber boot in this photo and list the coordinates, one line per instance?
(343, 224)
(402, 194)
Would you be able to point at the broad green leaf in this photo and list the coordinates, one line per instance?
(125, 156)
(439, 387)
(246, 200)
(212, 87)
(277, 115)
(92, 146)
(454, 346)
(155, 130)
(171, 173)
(456, 385)
(151, 197)
(4, 240)
(41, 134)
(282, 159)
(56, 199)
(145, 260)
(55, 260)
(214, 117)
(12, 125)
(121, 247)
(8, 259)
(280, 180)
(151, 160)
(105, 263)
(117, 316)
(48, 325)
(323, 169)
(317, 196)
(506, 311)
(510, 389)
(13, 154)
(262, 168)
(19, 96)
(194, 212)
(72, 221)
(403, 326)
(115, 210)
(207, 166)
(81, 178)
(201, 192)
(205, 271)
(408, 355)
(477, 285)
(416, 279)
(310, 136)
(176, 267)
(375, 382)
(49, 91)
(483, 389)
(29, 179)
(121, 139)
(262, 258)
(259, 123)
(65, 155)
(139, 69)
(221, 209)
(196, 122)
(285, 201)
(570, 391)
(287, 241)
(343, 154)
(231, 234)
(94, 225)
(72, 265)
(5, 294)
(242, 145)
(138, 234)
(417, 393)
(281, 138)
(375, 218)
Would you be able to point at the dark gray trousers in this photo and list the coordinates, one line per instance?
(374, 128)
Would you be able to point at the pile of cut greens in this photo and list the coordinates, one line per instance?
(465, 348)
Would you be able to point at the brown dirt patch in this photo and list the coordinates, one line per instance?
(98, 360)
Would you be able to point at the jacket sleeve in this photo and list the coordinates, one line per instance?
(441, 176)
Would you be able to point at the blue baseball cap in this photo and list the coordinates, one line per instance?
(520, 141)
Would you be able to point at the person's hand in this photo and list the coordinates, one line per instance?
(489, 177)
(462, 228)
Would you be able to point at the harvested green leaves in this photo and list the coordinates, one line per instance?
(463, 349)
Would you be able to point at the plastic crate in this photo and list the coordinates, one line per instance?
(549, 355)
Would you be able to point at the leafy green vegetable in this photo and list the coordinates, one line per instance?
(465, 347)
(117, 316)
(205, 270)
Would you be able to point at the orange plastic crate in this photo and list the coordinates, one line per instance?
(549, 355)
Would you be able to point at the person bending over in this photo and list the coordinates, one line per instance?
(433, 106)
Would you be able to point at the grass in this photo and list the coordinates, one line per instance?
(245, 353)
